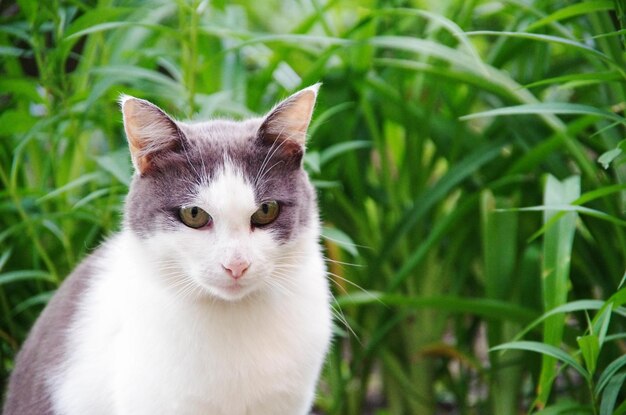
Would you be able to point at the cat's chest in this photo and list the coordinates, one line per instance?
(157, 353)
(203, 356)
(206, 337)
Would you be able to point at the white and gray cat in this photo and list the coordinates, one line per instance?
(212, 299)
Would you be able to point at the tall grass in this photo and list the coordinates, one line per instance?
(468, 156)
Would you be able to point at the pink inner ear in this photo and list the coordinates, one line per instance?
(290, 119)
(291, 149)
(150, 132)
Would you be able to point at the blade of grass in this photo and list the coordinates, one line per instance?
(608, 373)
(495, 309)
(610, 394)
(572, 11)
(499, 235)
(548, 108)
(579, 305)
(546, 350)
(553, 39)
(557, 251)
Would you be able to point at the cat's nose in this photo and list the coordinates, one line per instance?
(236, 268)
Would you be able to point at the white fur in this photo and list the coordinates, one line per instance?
(164, 330)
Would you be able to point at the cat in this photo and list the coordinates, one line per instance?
(212, 299)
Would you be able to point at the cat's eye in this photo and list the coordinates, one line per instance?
(194, 217)
(266, 214)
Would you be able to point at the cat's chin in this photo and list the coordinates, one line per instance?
(231, 292)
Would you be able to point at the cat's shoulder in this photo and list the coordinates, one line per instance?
(44, 350)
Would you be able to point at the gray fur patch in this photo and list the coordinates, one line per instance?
(45, 348)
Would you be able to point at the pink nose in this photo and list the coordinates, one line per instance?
(236, 268)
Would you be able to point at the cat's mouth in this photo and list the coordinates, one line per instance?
(231, 290)
(234, 287)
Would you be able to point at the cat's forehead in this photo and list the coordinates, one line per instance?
(221, 145)
(221, 133)
(229, 193)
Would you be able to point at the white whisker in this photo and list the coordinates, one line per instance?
(339, 314)
(273, 149)
(351, 264)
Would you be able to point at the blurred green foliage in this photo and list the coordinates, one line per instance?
(443, 131)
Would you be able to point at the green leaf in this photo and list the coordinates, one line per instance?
(338, 149)
(574, 10)
(611, 392)
(608, 373)
(619, 298)
(584, 78)
(598, 193)
(5, 257)
(340, 238)
(11, 51)
(492, 309)
(35, 300)
(15, 122)
(557, 251)
(565, 407)
(621, 283)
(425, 47)
(621, 410)
(449, 25)
(25, 275)
(96, 194)
(560, 210)
(80, 181)
(117, 25)
(22, 88)
(312, 161)
(325, 116)
(546, 350)
(95, 18)
(585, 198)
(129, 73)
(607, 157)
(565, 108)
(601, 322)
(499, 236)
(578, 305)
(548, 39)
(117, 164)
(310, 43)
(590, 348)
(17, 29)
(325, 184)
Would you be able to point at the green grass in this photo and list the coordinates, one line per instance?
(468, 156)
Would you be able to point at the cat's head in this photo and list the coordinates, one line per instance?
(224, 207)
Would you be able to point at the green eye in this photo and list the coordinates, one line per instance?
(267, 213)
(194, 217)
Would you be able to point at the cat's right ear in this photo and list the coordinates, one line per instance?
(285, 127)
(150, 132)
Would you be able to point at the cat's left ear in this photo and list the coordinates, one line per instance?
(285, 127)
(151, 133)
